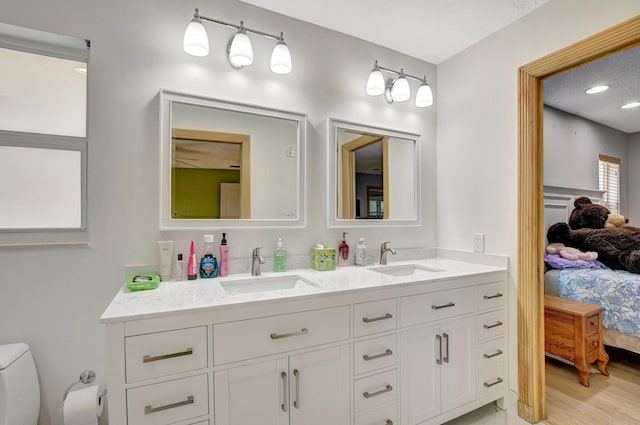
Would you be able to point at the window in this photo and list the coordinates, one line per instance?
(609, 181)
(43, 140)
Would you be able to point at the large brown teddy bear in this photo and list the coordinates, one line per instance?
(588, 215)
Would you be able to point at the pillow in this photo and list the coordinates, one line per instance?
(558, 262)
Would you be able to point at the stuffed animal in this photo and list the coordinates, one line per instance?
(570, 253)
(588, 215)
(617, 247)
(615, 220)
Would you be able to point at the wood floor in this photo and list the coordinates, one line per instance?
(613, 400)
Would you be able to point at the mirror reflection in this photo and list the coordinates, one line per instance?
(230, 165)
(374, 175)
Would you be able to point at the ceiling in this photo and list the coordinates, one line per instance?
(451, 26)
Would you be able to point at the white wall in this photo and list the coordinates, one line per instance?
(633, 213)
(52, 298)
(478, 127)
(571, 148)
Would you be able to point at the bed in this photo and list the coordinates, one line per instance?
(618, 291)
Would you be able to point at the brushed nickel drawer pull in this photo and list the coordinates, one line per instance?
(497, 353)
(385, 390)
(446, 339)
(438, 307)
(149, 409)
(296, 402)
(147, 358)
(386, 353)
(498, 323)
(490, 297)
(375, 319)
(302, 331)
(439, 359)
(497, 381)
(285, 391)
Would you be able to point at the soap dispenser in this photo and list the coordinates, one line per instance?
(208, 263)
(343, 251)
(224, 256)
(279, 257)
(361, 253)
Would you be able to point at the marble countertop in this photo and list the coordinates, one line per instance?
(171, 297)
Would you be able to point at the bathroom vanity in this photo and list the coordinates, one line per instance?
(417, 342)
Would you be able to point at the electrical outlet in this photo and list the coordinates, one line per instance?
(478, 242)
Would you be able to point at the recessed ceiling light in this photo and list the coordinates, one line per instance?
(81, 70)
(631, 105)
(597, 89)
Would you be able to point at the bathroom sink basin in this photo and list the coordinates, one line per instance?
(262, 284)
(405, 270)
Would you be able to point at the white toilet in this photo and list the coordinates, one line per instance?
(19, 389)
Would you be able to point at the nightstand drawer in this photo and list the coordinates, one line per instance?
(592, 324)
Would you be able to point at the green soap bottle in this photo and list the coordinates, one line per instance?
(279, 257)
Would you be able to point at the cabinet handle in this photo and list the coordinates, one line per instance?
(497, 353)
(302, 331)
(446, 339)
(438, 307)
(490, 297)
(296, 402)
(377, 356)
(375, 319)
(385, 390)
(388, 422)
(496, 382)
(285, 391)
(147, 358)
(498, 323)
(439, 359)
(149, 409)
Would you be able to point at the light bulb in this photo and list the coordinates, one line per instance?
(241, 52)
(281, 58)
(424, 96)
(196, 42)
(400, 90)
(375, 83)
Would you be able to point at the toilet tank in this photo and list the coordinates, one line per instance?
(19, 388)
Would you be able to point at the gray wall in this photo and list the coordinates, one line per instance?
(634, 179)
(571, 148)
(52, 298)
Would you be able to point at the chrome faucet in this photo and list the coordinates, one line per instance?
(383, 253)
(256, 260)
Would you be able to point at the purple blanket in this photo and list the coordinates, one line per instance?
(558, 262)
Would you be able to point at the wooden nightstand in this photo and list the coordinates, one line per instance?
(573, 331)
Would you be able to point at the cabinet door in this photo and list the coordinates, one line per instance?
(420, 374)
(256, 394)
(320, 387)
(459, 366)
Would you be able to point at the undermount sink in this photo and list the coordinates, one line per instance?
(261, 284)
(405, 270)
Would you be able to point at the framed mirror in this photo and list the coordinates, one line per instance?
(226, 165)
(373, 176)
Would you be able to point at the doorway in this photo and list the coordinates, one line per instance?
(531, 375)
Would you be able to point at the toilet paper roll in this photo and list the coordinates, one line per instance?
(84, 407)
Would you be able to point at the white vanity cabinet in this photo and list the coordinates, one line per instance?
(410, 352)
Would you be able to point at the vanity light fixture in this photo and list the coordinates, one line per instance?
(239, 49)
(397, 88)
(631, 105)
(597, 89)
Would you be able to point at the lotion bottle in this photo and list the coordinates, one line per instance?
(279, 257)
(224, 256)
(178, 271)
(361, 253)
(343, 251)
(192, 272)
(208, 263)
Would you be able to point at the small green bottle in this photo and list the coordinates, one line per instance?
(279, 257)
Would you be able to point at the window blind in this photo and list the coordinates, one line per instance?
(609, 181)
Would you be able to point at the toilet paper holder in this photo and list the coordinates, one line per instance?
(86, 377)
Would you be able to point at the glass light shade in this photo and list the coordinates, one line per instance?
(400, 90)
(424, 96)
(196, 42)
(241, 52)
(281, 58)
(375, 83)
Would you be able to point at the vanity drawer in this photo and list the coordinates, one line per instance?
(375, 353)
(424, 308)
(165, 353)
(491, 295)
(492, 379)
(375, 391)
(246, 339)
(373, 317)
(168, 402)
(387, 415)
(491, 354)
(491, 324)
